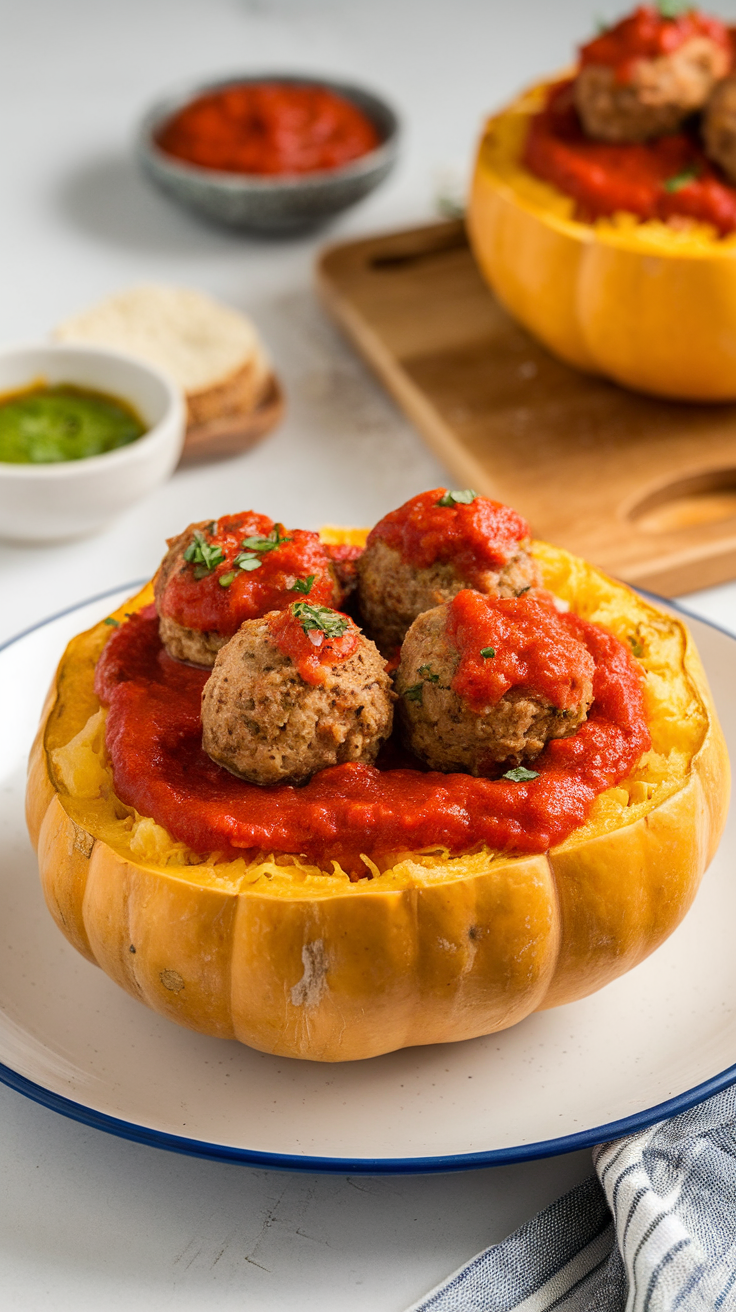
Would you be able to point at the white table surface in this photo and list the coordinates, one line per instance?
(86, 1220)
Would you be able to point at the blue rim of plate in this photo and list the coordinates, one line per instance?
(362, 1165)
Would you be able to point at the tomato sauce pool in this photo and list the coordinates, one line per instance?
(154, 737)
(654, 180)
(269, 128)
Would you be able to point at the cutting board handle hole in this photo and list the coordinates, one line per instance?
(701, 499)
(425, 248)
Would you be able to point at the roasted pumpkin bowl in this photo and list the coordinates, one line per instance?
(648, 305)
(298, 961)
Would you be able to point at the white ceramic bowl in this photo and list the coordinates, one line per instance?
(73, 498)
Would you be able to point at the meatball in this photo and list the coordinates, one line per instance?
(218, 573)
(657, 95)
(719, 127)
(430, 549)
(458, 712)
(195, 646)
(344, 557)
(267, 723)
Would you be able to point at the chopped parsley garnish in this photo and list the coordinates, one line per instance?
(253, 549)
(487, 652)
(636, 646)
(682, 179)
(304, 585)
(463, 498)
(258, 543)
(115, 624)
(520, 775)
(246, 561)
(257, 546)
(204, 555)
(414, 694)
(320, 617)
(427, 673)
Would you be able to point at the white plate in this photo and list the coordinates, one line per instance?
(655, 1042)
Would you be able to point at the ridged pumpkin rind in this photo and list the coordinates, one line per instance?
(348, 971)
(651, 309)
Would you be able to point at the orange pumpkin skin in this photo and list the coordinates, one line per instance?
(433, 949)
(651, 307)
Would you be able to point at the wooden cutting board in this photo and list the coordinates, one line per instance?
(645, 488)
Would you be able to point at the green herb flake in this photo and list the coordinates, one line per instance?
(427, 673)
(320, 617)
(414, 694)
(487, 653)
(304, 585)
(204, 555)
(463, 498)
(246, 561)
(682, 179)
(636, 646)
(114, 624)
(226, 579)
(520, 775)
(254, 548)
(262, 545)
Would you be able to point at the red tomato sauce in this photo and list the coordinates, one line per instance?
(647, 34)
(154, 735)
(653, 180)
(344, 558)
(480, 536)
(219, 599)
(526, 643)
(312, 650)
(269, 128)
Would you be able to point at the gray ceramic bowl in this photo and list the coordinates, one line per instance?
(269, 204)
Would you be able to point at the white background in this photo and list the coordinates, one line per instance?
(87, 1221)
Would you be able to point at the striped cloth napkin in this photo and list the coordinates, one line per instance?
(653, 1231)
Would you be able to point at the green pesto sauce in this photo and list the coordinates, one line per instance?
(44, 425)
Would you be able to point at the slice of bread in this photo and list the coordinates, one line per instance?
(212, 351)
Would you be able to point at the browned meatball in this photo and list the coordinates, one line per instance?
(719, 127)
(393, 593)
(265, 723)
(447, 732)
(184, 643)
(658, 96)
(428, 550)
(193, 645)
(344, 559)
(218, 573)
